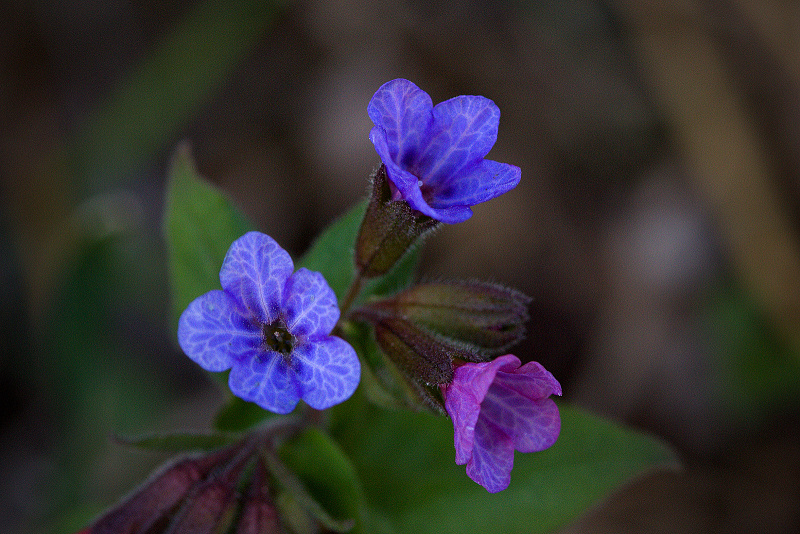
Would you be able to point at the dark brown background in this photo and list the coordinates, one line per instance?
(658, 206)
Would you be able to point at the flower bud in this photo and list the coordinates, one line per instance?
(214, 492)
(424, 359)
(390, 227)
(151, 508)
(483, 318)
(259, 514)
(242, 489)
(427, 358)
(428, 329)
(423, 355)
(213, 503)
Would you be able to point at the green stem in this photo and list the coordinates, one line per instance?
(352, 293)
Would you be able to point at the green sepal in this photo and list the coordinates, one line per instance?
(389, 230)
(331, 255)
(483, 319)
(382, 381)
(400, 277)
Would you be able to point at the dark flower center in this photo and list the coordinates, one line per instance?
(278, 338)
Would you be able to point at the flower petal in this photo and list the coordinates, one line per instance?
(463, 409)
(543, 430)
(404, 180)
(447, 214)
(409, 186)
(267, 380)
(254, 272)
(479, 376)
(479, 183)
(533, 425)
(214, 332)
(403, 111)
(327, 371)
(434, 154)
(464, 130)
(531, 380)
(492, 457)
(310, 305)
(463, 398)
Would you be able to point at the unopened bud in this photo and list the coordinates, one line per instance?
(212, 505)
(482, 318)
(150, 508)
(259, 514)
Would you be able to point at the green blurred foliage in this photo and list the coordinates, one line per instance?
(760, 371)
(102, 325)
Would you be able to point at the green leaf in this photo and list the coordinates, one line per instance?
(332, 252)
(179, 441)
(200, 223)
(760, 369)
(406, 462)
(329, 485)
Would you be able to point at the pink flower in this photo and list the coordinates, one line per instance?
(497, 407)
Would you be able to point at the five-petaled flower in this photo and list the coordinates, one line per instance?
(434, 155)
(497, 407)
(272, 328)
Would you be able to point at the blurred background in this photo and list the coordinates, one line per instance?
(657, 224)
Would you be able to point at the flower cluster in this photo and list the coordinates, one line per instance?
(445, 336)
(243, 487)
(280, 333)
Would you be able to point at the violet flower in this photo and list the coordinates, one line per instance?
(271, 327)
(497, 407)
(434, 155)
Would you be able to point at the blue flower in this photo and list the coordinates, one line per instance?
(434, 154)
(271, 327)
